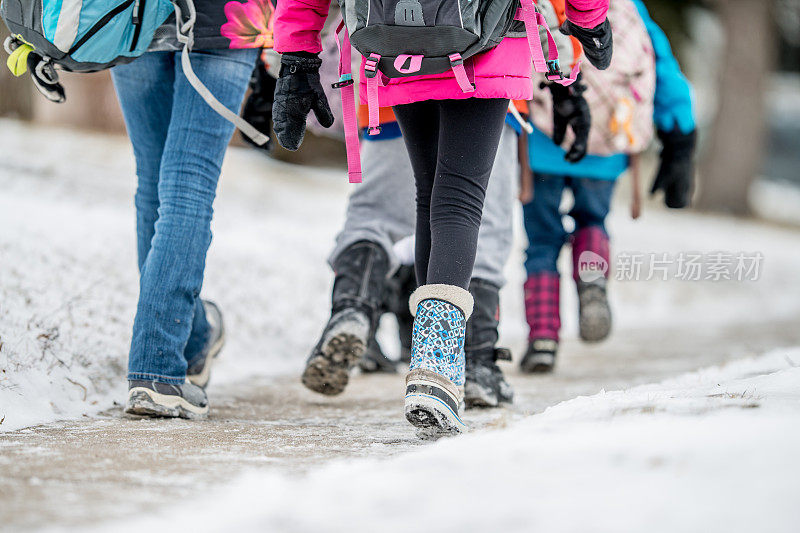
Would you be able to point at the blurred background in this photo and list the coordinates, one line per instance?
(743, 57)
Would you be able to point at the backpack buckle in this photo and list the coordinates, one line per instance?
(344, 81)
(11, 44)
(371, 66)
(554, 70)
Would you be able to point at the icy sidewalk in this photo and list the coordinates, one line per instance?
(714, 450)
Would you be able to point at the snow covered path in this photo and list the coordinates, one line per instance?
(67, 294)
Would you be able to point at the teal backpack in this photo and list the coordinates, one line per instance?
(93, 35)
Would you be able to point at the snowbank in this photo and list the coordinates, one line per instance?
(714, 450)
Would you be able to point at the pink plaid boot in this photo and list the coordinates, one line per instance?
(590, 269)
(544, 318)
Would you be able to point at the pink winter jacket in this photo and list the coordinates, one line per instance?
(502, 72)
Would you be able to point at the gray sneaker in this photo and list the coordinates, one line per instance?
(152, 398)
(200, 370)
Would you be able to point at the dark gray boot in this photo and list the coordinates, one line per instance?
(594, 312)
(485, 384)
(361, 271)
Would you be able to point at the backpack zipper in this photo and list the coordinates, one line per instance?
(138, 15)
(99, 25)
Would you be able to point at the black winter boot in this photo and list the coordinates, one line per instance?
(358, 289)
(485, 384)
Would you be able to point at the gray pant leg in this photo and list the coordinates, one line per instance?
(495, 238)
(382, 209)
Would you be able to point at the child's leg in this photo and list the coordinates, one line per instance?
(145, 92)
(419, 123)
(495, 238)
(485, 384)
(380, 212)
(592, 203)
(381, 209)
(452, 160)
(546, 237)
(452, 175)
(172, 274)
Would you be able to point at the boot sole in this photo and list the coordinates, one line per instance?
(538, 364)
(146, 402)
(329, 372)
(595, 321)
(202, 379)
(431, 407)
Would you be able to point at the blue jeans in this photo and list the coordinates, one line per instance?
(179, 143)
(543, 224)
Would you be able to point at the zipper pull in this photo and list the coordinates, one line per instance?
(136, 20)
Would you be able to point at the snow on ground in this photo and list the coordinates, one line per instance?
(776, 200)
(714, 450)
(68, 281)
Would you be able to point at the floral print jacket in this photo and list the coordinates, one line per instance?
(233, 24)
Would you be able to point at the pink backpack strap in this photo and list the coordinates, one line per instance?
(346, 85)
(457, 64)
(533, 20)
(372, 74)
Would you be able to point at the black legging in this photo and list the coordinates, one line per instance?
(452, 145)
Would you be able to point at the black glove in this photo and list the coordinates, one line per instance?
(570, 109)
(676, 173)
(258, 107)
(597, 42)
(297, 92)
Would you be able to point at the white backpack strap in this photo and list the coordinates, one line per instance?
(524, 124)
(186, 38)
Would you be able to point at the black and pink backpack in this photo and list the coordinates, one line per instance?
(402, 38)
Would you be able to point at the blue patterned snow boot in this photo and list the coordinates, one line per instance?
(435, 381)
